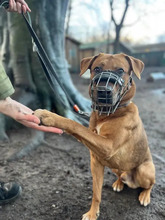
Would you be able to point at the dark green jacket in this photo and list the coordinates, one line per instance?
(6, 88)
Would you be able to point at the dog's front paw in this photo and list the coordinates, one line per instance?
(45, 117)
(118, 185)
(144, 197)
(90, 216)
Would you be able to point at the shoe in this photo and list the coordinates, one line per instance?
(9, 192)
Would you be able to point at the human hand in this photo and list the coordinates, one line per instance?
(18, 6)
(23, 115)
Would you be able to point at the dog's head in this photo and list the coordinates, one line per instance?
(111, 79)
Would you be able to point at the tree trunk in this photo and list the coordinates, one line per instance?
(48, 21)
(68, 18)
(117, 40)
(51, 29)
(118, 27)
(32, 88)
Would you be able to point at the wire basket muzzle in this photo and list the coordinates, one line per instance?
(106, 89)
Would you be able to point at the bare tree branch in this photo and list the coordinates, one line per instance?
(125, 11)
(112, 12)
(119, 26)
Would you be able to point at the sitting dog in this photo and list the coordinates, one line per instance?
(115, 137)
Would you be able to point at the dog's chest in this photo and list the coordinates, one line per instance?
(120, 156)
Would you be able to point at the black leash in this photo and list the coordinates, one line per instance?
(49, 70)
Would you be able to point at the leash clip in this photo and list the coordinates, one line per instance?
(85, 114)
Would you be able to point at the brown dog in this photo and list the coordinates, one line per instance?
(115, 137)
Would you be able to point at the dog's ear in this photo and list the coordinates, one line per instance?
(136, 65)
(86, 63)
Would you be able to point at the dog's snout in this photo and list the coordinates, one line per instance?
(105, 97)
(104, 94)
(106, 91)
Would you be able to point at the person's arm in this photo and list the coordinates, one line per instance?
(18, 6)
(23, 115)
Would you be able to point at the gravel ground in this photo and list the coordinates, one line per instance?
(56, 178)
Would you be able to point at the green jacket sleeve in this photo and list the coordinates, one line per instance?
(6, 88)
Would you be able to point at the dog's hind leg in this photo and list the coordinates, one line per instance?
(97, 170)
(145, 175)
(118, 185)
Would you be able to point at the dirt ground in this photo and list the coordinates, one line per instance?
(56, 179)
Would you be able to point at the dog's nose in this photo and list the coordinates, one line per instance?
(105, 97)
(105, 93)
(101, 94)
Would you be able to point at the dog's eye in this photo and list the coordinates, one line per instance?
(97, 69)
(120, 71)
